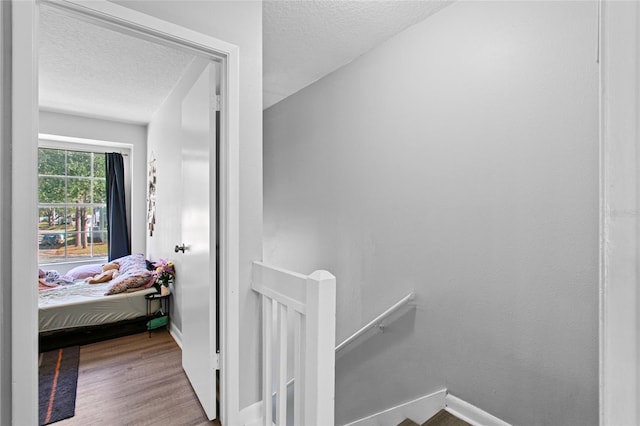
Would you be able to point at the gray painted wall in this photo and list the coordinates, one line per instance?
(460, 160)
(64, 124)
(5, 213)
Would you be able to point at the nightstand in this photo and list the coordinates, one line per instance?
(160, 317)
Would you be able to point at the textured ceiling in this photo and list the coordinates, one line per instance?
(305, 40)
(90, 70)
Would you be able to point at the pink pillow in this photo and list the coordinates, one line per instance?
(83, 271)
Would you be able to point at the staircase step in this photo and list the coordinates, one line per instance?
(441, 418)
(408, 422)
(444, 418)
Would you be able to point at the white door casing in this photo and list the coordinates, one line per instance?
(619, 213)
(197, 265)
(24, 393)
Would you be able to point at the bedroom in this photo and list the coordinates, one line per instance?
(102, 90)
(235, 38)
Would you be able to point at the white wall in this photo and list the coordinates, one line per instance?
(620, 214)
(5, 213)
(134, 135)
(459, 160)
(164, 144)
(239, 23)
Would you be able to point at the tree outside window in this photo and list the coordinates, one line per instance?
(72, 223)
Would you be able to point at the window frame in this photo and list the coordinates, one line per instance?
(81, 145)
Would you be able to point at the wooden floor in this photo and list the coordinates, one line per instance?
(135, 380)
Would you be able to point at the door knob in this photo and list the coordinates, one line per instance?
(181, 248)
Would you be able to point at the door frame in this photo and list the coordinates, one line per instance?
(24, 260)
(619, 213)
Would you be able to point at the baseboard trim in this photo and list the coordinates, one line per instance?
(419, 410)
(252, 415)
(176, 334)
(470, 413)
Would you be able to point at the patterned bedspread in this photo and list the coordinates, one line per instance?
(75, 293)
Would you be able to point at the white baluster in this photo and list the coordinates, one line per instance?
(298, 366)
(281, 411)
(307, 302)
(267, 372)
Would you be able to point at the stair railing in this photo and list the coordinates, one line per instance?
(309, 302)
(378, 323)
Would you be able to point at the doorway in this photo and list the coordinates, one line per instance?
(24, 181)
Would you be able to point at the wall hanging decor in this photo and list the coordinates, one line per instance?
(151, 197)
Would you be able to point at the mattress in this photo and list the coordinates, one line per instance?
(82, 304)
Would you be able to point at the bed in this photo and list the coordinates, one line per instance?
(82, 305)
(80, 313)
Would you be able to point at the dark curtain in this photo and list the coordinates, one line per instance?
(119, 244)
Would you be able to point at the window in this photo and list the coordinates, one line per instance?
(72, 224)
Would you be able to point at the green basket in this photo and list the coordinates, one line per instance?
(157, 322)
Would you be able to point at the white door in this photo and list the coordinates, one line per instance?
(198, 265)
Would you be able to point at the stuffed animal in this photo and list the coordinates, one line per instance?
(109, 272)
